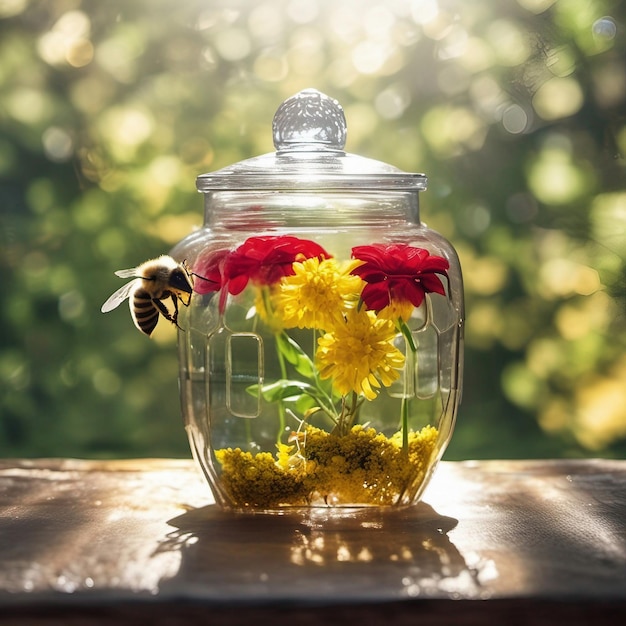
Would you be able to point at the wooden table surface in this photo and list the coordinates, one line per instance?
(141, 541)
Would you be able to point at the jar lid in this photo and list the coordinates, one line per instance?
(309, 131)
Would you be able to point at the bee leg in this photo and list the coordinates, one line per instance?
(175, 317)
(175, 300)
(165, 313)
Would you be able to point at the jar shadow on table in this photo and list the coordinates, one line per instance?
(319, 553)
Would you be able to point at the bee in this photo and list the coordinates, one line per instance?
(155, 281)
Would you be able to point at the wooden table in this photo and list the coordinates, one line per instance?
(141, 542)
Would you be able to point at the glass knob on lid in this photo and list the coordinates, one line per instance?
(309, 132)
(309, 121)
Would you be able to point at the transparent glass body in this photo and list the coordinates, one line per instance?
(321, 352)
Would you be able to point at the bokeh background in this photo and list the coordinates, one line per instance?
(515, 109)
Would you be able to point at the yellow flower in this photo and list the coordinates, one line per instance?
(315, 292)
(359, 354)
(396, 310)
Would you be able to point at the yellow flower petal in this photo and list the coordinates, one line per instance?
(359, 355)
(316, 291)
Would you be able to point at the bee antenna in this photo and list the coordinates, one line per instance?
(208, 280)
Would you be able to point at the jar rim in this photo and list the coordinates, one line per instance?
(310, 170)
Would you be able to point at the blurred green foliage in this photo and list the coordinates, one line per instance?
(515, 109)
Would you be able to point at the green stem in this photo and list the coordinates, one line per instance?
(405, 425)
(411, 354)
(282, 421)
(347, 417)
(406, 331)
(325, 389)
(352, 413)
(339, 428)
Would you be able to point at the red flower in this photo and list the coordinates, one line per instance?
(398, 273)
(209, 272)
(265, 260)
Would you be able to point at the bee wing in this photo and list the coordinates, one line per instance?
(130, 273)
(120, 295)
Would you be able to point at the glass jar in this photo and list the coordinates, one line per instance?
(321, 353)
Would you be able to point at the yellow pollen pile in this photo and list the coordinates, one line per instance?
(361, 468)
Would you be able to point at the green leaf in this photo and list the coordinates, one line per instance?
(304, 403)
(281, 390)
(295, 355)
